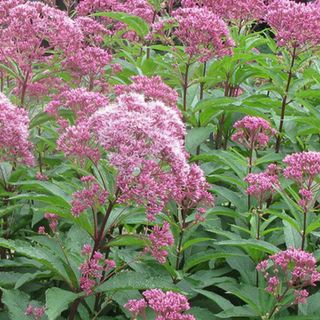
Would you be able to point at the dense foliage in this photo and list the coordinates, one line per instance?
(159, 161)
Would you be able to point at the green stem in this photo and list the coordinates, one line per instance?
(201, 98)
(276, 306)
(185, 87)
(304, 230)
(284, 101)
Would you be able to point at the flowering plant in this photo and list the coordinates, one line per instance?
(159, 159)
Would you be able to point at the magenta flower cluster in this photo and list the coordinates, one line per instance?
(152, 88)
(295, 24)
(203, 33)
(232, 10)
(91, 196)
(53, 221)
(36, 313)
(253, 132)
(304, 168)
(92, 269)
(160, 238)
(292, 269)
(262, 185)
(166, 305)
(144, 141)
(14, 133)
(80, 101)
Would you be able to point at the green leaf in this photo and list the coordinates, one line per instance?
(128, 240)
(49, 187)
(196, 136)
(291, 235)
(251, 244)
(223, 303)
(129, 280)
(191, 242)
(237, 312)
(204, 257)
(58, 300)
(135, 23)
(16, 302)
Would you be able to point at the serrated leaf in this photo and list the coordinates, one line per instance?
(58, 300)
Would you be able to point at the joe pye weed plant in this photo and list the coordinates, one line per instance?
(159, 159)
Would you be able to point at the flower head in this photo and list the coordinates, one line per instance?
(14, 133)
(152, 88)
(168, 305)
(144, 142)
(232, 10)
(292, 269)
(261, 185)
(91, 196)
(35, 312)
(53, 221)
(252, 132)
(92, 269)
(203, 33)
(295, 24)
(136, 307)
(81, 102)
(160, 238)
(304, 168)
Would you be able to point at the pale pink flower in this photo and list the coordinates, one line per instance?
(79, 142)
(304, 168)
(203, 33)
(262, 185)
(81, 102)
(232, 10)
(295, 24)
(53, 221)
(290, 269)
(92, 269)
(144, 142)
(168, 305)
(152, 88)
(253, 132)
(91, 196)
(14, 133)
(136, 307)
(36, 313)
(160, 238)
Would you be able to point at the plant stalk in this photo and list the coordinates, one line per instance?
(284, 101)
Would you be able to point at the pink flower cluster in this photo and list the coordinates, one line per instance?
(92, 269)
(304, 168)
(90, 197)
(295, 24)
(166, 305)
(28, 31)
(53, 221)
(152, 88)
(232, 10)
(252, 132)
(261, 185)
(291, 269)
(194, 191)
(140, 8)
(144, 141)
(203, 33)
(79, 142)
(35, 312)
(160, 238)
(14, 133)
(80, 101)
